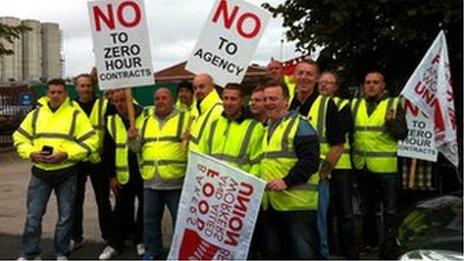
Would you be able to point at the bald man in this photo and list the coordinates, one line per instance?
(209, 106)
(274, 71)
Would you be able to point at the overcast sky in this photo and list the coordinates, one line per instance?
(174, 26)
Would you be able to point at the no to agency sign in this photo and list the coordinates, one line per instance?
(228, 41)
(121, 43)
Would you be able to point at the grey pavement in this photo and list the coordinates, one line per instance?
(14, 177)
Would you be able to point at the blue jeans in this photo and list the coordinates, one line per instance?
(153, 210)
(290, 235)
(323, 207)
(38, 194)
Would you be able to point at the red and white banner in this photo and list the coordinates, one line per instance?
(217, 212)
(420, 143)
(429, 88)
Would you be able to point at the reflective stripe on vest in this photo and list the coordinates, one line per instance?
(239, 159)
(317, 116)
(162, 151)
(68, 136)
(373, 147)
(117, 130)
(278, 159)
(197, 139)
(345, 159)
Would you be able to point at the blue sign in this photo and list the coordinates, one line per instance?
(25, 98)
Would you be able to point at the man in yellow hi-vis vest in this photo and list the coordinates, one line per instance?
(209, 106)
(54, 136)
(341, 182)
(96, 109)
(163, 163)
(289, 167)
(379, 122)
(323, 115)
(126, 182)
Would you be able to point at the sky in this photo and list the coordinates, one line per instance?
(173, 25)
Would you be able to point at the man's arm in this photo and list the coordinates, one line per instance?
(396, 123)
(306, 146)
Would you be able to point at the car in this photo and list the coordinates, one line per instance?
(433, 224)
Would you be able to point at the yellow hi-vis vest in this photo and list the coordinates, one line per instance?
(345, 159)
(97, 119)
(192, 109)
(118, 132)
(66, 130)
(317, 117)
(373, 146)
(278, 159)
(238, 144)
(162, 152)
(210, 109)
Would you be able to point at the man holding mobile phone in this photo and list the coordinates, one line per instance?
(55, 137)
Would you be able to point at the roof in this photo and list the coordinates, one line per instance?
(177, 73)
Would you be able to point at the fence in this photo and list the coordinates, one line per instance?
(15, 103)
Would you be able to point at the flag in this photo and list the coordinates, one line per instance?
(429, 88)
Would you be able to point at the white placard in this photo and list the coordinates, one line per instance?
(217, 212)
(121, 44)
(228, 41)
(420, 143)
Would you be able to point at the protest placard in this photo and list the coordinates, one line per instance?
(228, 41)
(121, 44)
(217, 212)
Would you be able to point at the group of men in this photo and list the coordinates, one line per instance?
(299, 137)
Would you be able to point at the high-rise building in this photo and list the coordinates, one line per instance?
(51, 60)
(32, 51)
(11, 66)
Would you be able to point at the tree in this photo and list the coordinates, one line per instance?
(357, 36)
(9, 33)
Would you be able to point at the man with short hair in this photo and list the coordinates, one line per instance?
(163, 166)
(379, 122)
(126, 182)
(341, 183)
(96, 110)
(323, 115)
(209, 106)
(257, 104)
(289, 166)
(55, 137)
(274, 71)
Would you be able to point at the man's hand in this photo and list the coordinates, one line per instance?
(38, 156)
(132, 133)
(324, 170)
(56, 158)
(277, 185)
(114, 185)
(390, 115)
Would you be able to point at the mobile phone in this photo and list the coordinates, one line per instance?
(47, 150)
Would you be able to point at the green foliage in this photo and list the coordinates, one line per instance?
(9, 33)
(358, 36)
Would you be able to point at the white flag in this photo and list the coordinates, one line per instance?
(429, 88)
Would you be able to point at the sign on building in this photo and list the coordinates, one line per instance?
(217, 212)
(120, 43)
(228, 41)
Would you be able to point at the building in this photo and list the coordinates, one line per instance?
(51, 46)
(32, 51)
(11, 66)
(36, 54)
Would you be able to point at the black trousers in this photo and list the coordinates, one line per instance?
(377, 188)
(123, 214)
(101, 189)
(341, 206)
